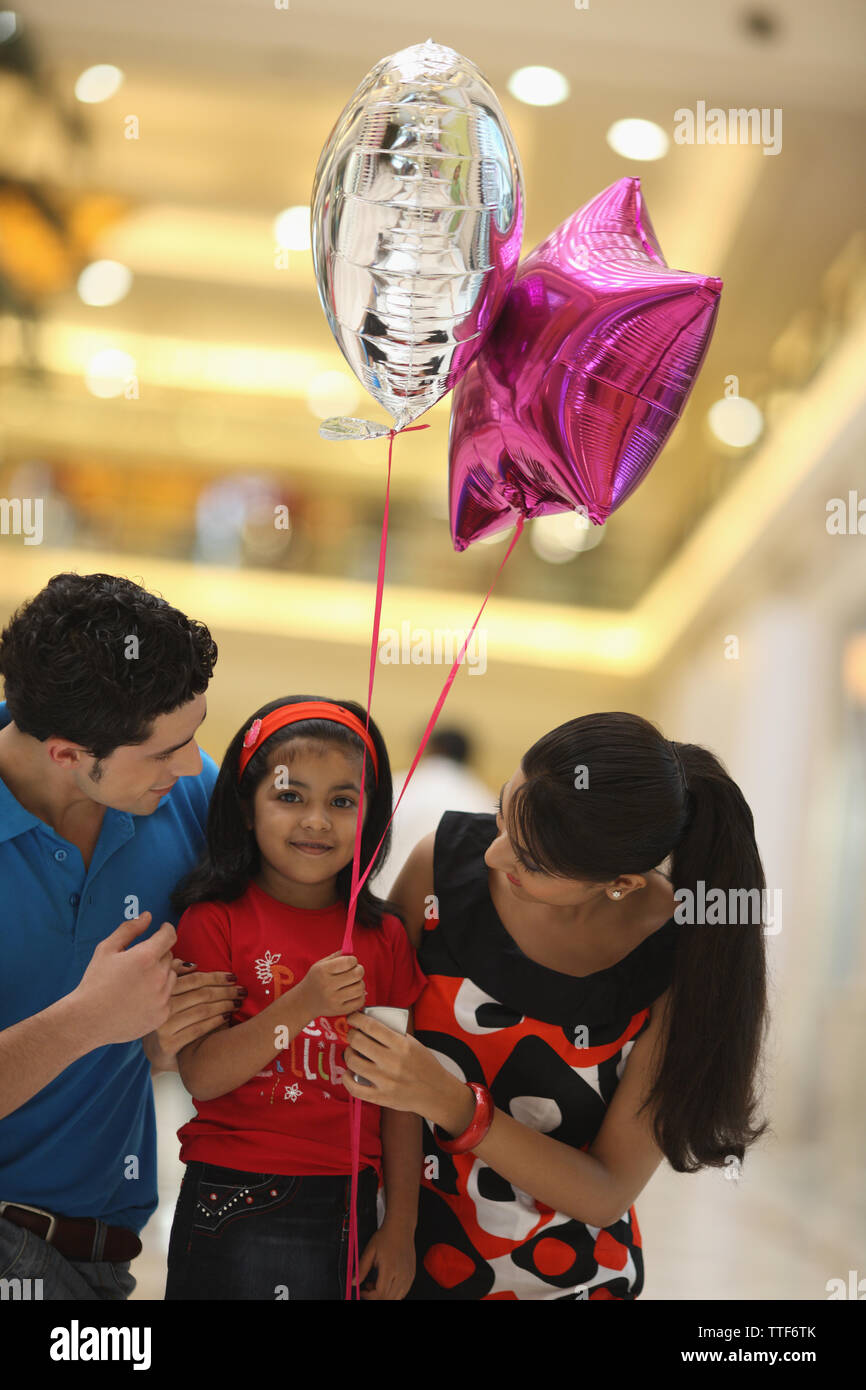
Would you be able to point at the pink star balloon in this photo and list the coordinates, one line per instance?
(584, 375)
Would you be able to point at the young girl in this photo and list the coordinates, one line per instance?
(263, 1209)
(587, 1022)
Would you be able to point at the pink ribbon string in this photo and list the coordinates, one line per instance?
(353, 1262)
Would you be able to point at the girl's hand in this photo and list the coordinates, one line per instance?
(391, 1253)
(331, 987)
(404, 1075)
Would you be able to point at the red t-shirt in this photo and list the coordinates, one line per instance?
(293, 1117)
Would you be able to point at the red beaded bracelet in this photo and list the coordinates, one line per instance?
(478, 1125)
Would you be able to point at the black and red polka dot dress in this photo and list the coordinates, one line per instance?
(551, 1048)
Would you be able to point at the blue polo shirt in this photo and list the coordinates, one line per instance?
(85, 1145)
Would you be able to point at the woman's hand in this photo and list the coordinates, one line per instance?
(404, 1075)
(391, 1252)
(201, 1001)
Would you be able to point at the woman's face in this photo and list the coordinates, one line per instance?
(531, 884)
(305, 810)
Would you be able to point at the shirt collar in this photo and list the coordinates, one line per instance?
(14, 818)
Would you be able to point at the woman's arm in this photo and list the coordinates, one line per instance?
(596, 1187)
(199, 1003)
(413, 888)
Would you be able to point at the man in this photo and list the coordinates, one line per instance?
(442, 781)
(103, 806)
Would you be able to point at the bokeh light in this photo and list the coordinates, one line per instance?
(292, 228)
(104, 282)
(638, 139)
(108, 371)
(736, 421)
(539, 86)
(557, 539)
(98, 83)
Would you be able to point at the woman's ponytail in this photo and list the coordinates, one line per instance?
(704, 1094)
(647, 803)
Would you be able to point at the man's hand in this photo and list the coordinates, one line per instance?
(125, 990)
(200, 1003)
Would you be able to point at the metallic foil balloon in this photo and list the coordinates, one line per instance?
(417, 217)
(350, 427)
(584, 375)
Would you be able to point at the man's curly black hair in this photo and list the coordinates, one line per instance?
(71, 671)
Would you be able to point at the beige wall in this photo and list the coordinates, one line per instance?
(778, 718)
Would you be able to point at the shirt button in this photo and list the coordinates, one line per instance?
(74, 899)
(60, 854)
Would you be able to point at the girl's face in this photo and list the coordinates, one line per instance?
(304, 815)
(531, 884)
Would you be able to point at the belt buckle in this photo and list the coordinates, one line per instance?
(38, 1211)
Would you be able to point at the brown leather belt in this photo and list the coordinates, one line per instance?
(84, 1239)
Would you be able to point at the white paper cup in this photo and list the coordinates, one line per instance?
(395, 1019)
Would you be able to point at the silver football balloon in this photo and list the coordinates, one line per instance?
(417, 218)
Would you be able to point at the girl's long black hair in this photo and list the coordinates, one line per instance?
(232, 857)
(641, 800)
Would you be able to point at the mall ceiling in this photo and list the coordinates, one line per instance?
(234, 100)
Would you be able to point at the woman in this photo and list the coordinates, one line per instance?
(610, 1033)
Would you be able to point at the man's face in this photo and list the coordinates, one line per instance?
(137, 777)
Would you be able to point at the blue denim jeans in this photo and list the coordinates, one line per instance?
(239, 1235)
(25, 1256)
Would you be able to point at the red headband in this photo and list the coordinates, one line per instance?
(260, 729)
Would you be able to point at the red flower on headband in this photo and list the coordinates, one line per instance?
(252, 733)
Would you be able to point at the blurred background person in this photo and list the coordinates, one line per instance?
(442, 781)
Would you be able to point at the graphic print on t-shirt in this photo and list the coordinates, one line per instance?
(314, 1056)
(293, 1117)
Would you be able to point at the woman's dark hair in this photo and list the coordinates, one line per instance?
(606, 795)
(71, 670)
(232, 857)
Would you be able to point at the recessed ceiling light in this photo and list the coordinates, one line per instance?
(98, 83)
(638, 139)
(736, 421)
(538, 86)
(104, 282)
(292, 228)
